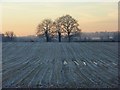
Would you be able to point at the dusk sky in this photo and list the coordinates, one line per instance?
(23, 18)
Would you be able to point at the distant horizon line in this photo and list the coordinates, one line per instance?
(82, 32)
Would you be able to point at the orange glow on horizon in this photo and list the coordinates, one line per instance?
(23, 18)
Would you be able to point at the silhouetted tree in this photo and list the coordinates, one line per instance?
(9, 35)
(68, 24)
(58, 26)
(45, 28)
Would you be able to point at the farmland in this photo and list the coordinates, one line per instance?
(72, 65)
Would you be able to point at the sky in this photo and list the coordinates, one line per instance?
(22, 18)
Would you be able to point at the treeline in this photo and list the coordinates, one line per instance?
(83, 37)
(64, 28)
(8, 36)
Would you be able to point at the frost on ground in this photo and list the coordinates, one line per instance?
(72, 65)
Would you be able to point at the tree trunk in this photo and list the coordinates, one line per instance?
(47, 38)
(11, 38)
(59, 36)
(46, 35)
(68, 36)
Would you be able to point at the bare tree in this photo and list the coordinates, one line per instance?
(10, 35)
(58, 25)
(44, 28)
(68, 24)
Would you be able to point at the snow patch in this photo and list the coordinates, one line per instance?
(114, 63)
(64, 62)
(84, 63)
(76, 62)
(95, 63)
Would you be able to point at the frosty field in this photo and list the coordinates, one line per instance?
(72, 65)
